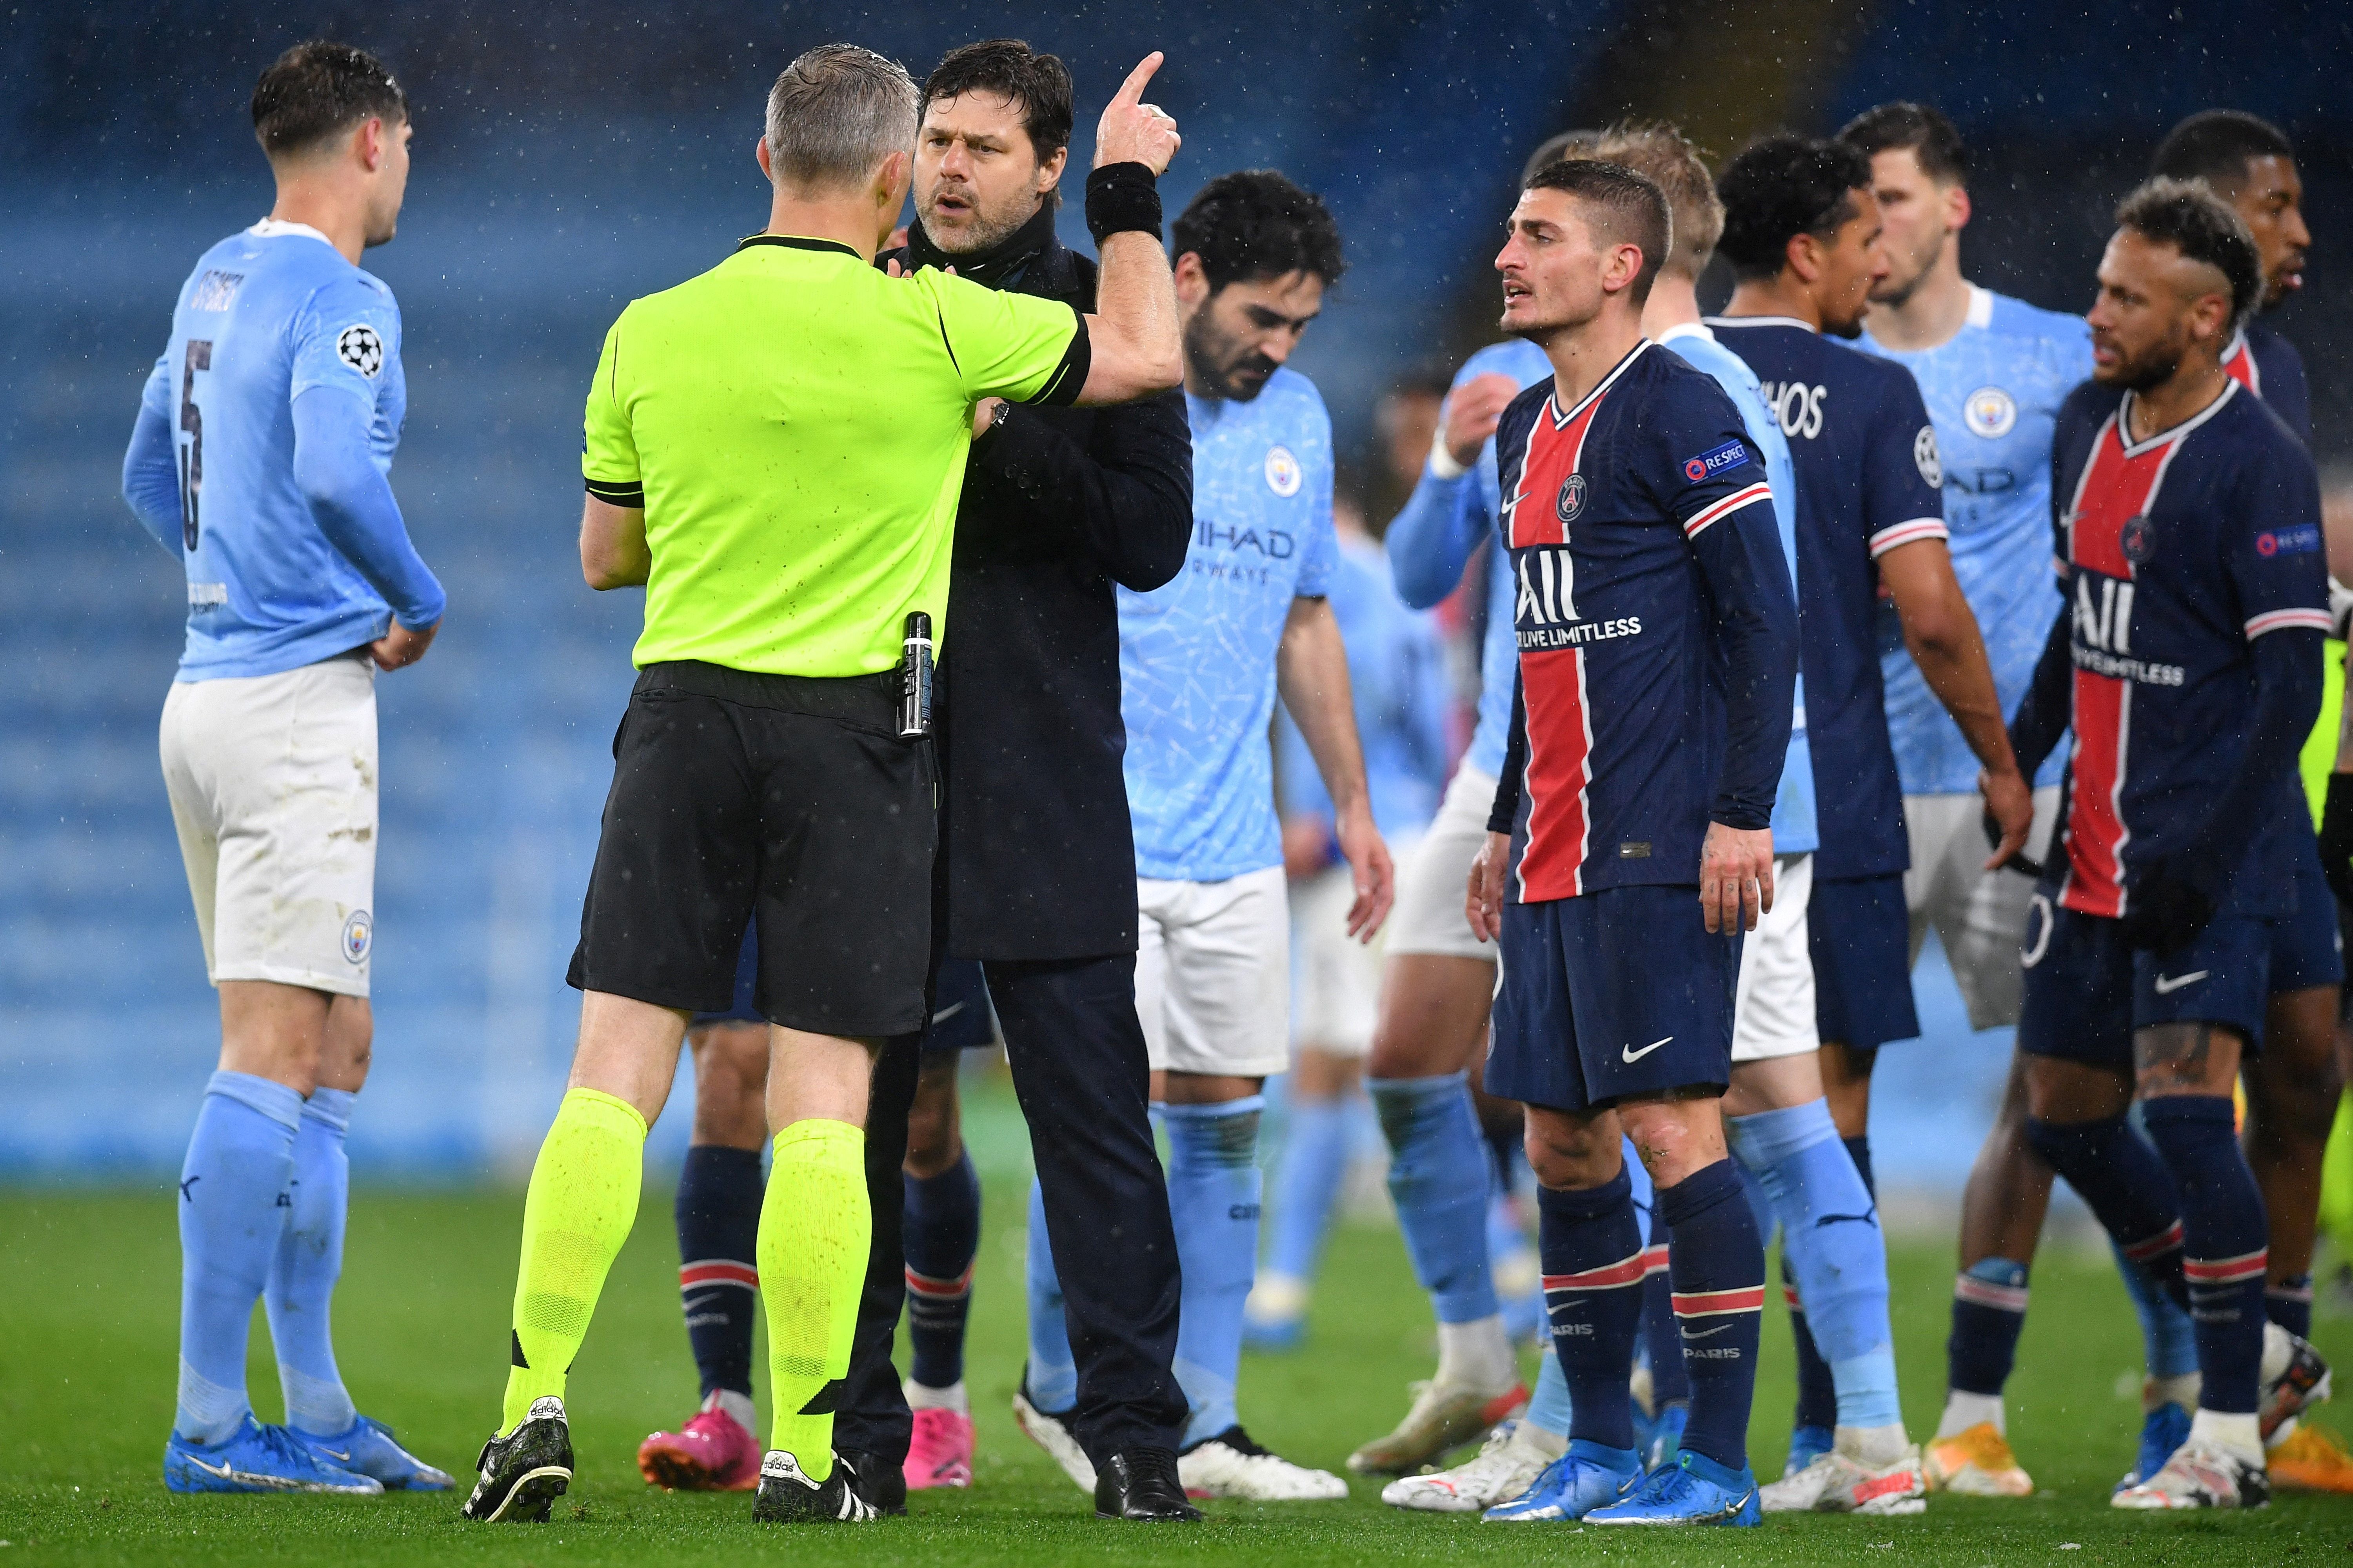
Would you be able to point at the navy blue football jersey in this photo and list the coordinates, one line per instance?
(2174, 554)
(2267, 365)
(1869, 481)
(1657, 635)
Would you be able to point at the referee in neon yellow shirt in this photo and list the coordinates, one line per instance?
(775, 449)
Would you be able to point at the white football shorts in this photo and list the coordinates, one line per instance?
(1978, 915)
(1213, 973)
(1336, 985)
(1428, 915)
(1773, 1001)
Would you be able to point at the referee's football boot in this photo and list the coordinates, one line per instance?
(882, 1485)
(1230, 1464)
(1142, 1485)
(788, 1496)
(368, 1447)
(524, 1472)
(1694, 1490)
(258, 1458)
(1589, 1476)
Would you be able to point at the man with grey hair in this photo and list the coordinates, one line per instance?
(774, 451)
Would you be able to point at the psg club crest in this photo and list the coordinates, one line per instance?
(1572, 497)
(2138, 539)
(1282, 474)
(1989, 413)
(359, 935)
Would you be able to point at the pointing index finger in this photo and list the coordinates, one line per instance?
(1132, 89)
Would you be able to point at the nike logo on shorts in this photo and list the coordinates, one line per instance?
(2166, 984)
(1632, 1054)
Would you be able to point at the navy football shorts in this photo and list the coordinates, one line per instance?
(2306, 949)
(739, 1008)
(1859, 936)
(1620, 992)
(2086, 992)
(961, 1016)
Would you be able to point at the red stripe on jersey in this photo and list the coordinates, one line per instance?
(1712, 1303)
(2239, 364)
(1726, 507)
(1559, 772)
(1625, 1272)
(1532, 511)
(2095, 829)
(712, 1271)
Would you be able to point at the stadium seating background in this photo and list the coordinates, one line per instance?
(564, 166)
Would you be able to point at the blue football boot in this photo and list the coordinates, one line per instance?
(367, 1448)
(258, 1458)
(1807, 1444)
(1694, 1490)
(1666, 1438)
(2162, 1430)
(1580, 1480)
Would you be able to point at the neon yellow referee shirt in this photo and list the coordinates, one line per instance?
(795, 425)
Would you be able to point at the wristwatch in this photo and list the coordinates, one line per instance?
(1003, 407)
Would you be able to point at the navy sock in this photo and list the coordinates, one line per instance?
(1591, 1245)
(2288, 1303)
(1988, 1311)
(1859, 1151)
(1669, 1383)
(719, 1192)
(2224, 1250)
(2127, 1187)
(941, 1237)
(1717, 1264)
(1817, 1389)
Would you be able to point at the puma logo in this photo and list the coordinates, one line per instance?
(1864, 1218)
(191, 1197)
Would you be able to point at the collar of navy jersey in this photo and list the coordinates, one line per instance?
(2133, 449)
(1552, 398)
(1762, 321)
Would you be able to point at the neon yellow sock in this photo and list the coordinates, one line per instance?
(815, 1230)
(582, 1202)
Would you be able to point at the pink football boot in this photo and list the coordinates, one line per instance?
(940, 1452)
(713, 1453)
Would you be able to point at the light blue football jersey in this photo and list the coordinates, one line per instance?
(1197, 656)
(1795, 829)
(1992, 391)
(1498, 656)
(269, 313)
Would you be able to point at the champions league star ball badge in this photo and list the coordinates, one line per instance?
(1925, 458)
(1989, 413)
(360, 348)
(1572, 497)
(1283, 475)
(359, 935)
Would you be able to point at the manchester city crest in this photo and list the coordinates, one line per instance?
(1989, 413)
(1572, 497)
(1282, 474)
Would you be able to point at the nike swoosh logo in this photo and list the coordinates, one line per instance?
(1705, 1333)
(223, 1472)
(344, 1457)
(945, 1014)
(1632, 1055)
(2166, 984)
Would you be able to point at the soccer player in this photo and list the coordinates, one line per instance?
(1201, 663)
(1801, 231)
(1397, 672)
(2188, 668)
(1658, 659)
(768, 701)
(260, 458)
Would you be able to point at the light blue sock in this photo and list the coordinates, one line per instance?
(308, 1261)
(1053, 1375)
(1316, 1146)
(1831, 1236)
(1439, 1176)
(233, 1207)
(2169, 1338)
(1215, 1189)
(1548, 1407)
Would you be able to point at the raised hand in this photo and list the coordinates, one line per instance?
(1134, 131)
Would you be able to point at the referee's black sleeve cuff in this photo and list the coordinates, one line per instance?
(611, 494)
(1061, 388)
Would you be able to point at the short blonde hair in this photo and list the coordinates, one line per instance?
(1666, 157)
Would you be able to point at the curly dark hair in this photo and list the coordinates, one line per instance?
(1780, 186)
(1255, 222)
(317, 89)
(2188, 215)
(1040, 85)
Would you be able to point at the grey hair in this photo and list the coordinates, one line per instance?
(835, 114)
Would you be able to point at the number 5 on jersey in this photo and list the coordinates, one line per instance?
(199, 356)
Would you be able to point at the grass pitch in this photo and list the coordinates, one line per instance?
(88, 1304)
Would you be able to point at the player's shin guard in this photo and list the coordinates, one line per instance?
(1591, 1245)
(718, 1218)
(2126, 1186)
(1439, 1178)
(1832, 1245)
(310, 1260)
(1215, 1191)
(941, 1237)
(581, 1201)
(1051, 1377)
(233, 1206)
(2224, 1251)
(1717, 1264)
(1988, 1313)
(816, 1231)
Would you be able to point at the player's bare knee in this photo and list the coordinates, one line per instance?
(1571, 1152)
(934, 1129)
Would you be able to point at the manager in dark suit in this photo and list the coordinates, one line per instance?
(1036, 870)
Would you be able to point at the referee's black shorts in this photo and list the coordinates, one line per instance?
(735, 791)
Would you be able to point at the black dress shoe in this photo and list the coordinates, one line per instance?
(1142, 1484)
(882, 1485)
